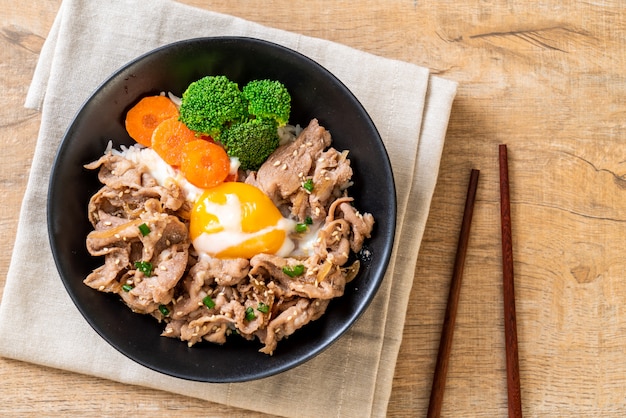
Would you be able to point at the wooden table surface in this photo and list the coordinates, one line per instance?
(546, 78)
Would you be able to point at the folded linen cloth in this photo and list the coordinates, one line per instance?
(91, 39)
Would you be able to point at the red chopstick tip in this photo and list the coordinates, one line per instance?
(503, 155)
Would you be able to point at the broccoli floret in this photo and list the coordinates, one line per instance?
(211, 104)
(268, 99)
(244, 121)
(251, 141)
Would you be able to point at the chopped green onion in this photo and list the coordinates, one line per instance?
(250, 314)
(294, 271)
(127, 287)
(163, 309)
(263, 308)
(308, 220)
(145, 267)
(144, 229)
(308, 185)
(300, 228)
(208, 302)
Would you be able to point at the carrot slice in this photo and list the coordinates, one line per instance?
(169, 138)
(204, 164)
(146, 115)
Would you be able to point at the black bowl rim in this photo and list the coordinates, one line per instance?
(383, 264)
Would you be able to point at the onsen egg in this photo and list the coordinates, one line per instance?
(238, 220)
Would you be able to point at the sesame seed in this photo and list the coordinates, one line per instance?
(284, 167)
(117, 236)
(295, 153)
(129, 281)
(179, 313)
(108, 223)
(289, 318)
(276, 163)
(101, 288)
(117, 261)
(309, 144)
(162, 267)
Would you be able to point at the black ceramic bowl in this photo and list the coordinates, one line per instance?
(316, 93)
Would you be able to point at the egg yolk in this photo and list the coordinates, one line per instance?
(237, 220)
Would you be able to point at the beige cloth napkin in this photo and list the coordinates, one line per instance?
(91, 39)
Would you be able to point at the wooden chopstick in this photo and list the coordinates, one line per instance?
(510, 322)
(445, 343)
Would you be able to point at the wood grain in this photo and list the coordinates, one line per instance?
(547, 78)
